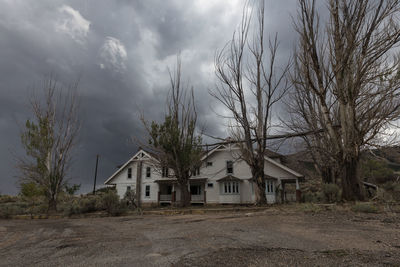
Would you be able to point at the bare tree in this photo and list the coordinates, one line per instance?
(175, 141)
(250, 85)
(346, 73)
(49, 138)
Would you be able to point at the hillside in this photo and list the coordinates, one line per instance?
(378, 166)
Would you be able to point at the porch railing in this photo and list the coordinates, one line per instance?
(165, 197)
(197, 198)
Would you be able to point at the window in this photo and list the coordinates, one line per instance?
(129, 173)
(210, 185)
(148, 172)
(196, 171)
(269, 186)
(230, 188)
(229, 167)
(165, 171)
(209, 163)
(128, 188)
(147, 191)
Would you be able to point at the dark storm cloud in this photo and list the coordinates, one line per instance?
(120, 50)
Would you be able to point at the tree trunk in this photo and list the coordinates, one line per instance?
(261, 198)
(52, 205)
(329, 175)
(185, 194)
(351, 185)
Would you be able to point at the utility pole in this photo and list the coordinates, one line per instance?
(95, 174)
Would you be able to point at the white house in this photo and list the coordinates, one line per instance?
(222, 178)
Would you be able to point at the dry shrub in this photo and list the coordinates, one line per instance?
(365, 207)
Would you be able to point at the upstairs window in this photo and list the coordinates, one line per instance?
(165, 172)
(129, 173)
(229, 167)
(209, 163)
(196, 171)
(148, 172)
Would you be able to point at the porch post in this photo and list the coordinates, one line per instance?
(158, 197)
(173, 194)
(298, 191)
(190, 194)
(283, 192)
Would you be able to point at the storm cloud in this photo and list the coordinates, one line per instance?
(120, 51)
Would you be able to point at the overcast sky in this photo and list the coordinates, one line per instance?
(121, 51)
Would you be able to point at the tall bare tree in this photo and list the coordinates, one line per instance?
(348, 67)
(250, 85)
(49, 138)
(176, 141)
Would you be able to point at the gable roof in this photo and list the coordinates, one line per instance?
(222, 146)
(268, 153)
(268, 156)
(284, 167)
(140, 155)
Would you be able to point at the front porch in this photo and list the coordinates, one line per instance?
(169, 192)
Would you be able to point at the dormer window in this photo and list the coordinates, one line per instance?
(196, 171)
(229, 167)
(165, 172)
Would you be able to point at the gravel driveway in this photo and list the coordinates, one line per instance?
(270, 237)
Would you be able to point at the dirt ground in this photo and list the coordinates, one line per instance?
(266, 238)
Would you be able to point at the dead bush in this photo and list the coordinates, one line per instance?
(365, 208)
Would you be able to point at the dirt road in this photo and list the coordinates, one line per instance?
(265, 238)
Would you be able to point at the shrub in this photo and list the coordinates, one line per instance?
(88, 204)
(84, 204)
(9, 209)
(7, 198)
(365, 208)
(331, 192)
(310, 207)
(312, 197)
(130, 199)
(112, 205)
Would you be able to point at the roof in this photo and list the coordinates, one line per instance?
(166, 180)
(298, 175)
(272, 154)
(229, 178)
(174, 180)
(268, 153)
(265, 177)
(149, 155)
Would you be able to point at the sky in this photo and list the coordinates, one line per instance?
(120, 51)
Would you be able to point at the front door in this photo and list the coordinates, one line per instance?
(195, 189)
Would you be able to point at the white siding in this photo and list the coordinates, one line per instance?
(122, 181)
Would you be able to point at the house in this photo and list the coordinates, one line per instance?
(222, 178)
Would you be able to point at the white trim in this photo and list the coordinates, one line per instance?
(220, 148)
(126, 163)
(284, 168)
